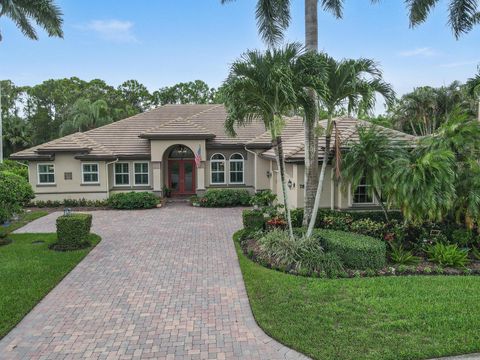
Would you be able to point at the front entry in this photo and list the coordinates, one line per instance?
(181, 177)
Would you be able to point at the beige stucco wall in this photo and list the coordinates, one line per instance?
(68, 189)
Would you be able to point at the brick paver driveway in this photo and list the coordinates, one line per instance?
(162, 284)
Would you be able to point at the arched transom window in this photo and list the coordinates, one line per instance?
(236, 169)
(217, 169)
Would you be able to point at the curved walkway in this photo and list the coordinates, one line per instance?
(162, 284)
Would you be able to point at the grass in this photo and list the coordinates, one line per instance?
(384, 318)
(29, 271)
(24, 219)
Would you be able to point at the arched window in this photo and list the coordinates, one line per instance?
(217, 169)
(236, 169)
(181, 152)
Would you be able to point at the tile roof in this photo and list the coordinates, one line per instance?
(294, 144)
(130, 137)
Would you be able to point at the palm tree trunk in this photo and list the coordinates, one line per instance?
(311, 138)
(318, 193)
(478, 109)
(382, 205)
(277, 144)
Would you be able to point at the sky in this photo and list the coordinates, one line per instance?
(163, 42)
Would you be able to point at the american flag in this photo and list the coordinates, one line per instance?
(198, 156)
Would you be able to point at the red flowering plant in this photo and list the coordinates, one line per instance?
(277, 222)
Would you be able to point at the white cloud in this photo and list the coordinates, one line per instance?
(113, 30)
(425, 51)
(459, 64)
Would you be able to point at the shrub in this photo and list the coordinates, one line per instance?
(399, 255)
(73, 231)
(368, 227)
(356, 251)
(4, 239)
(69, 203)
(297, 217)
(15, 168)
(462, 237)
(253, 219)
(319, 262)
(225, 198)
(15, 193)
(133, 200)
(340, 221)
(447, 255)
(263, 198)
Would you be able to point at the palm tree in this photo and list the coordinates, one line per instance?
(370, 158)
(86, 115)
(43, 12)
(260, 87)
(473, 87)
(16, 134)
(423, 184)
(463, 14)
(353, 84)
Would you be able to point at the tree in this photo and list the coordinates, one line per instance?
(136, 95)
(273, 18)
(260, 88)
(370, 158)
(16, 134)
(351, 84)
(473, 88)
(463, 14)
(86, 115)
(43, 12)
(192, 92)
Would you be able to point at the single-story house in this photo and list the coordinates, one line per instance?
(184, 148)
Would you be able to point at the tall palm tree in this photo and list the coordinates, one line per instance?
(463, 14)
(370, 158)
(273, 18)
(16, 134)
(44, 13)
(260, 87)
(473, 86)
(353, 84)
(86, 115)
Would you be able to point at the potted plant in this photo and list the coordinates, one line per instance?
(167, 192)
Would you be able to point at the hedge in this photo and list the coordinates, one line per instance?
(132, 200)
(15, 193)
(225, 198)
(356, 251)
(73, 231)
(253, 219)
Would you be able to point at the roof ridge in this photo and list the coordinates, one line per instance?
(95, 143)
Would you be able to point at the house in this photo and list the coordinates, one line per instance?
(156, 149)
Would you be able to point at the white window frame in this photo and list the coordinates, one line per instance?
(91, 172)
(122, 173)
(242, 160)
(362, 203)
(38, 174)
(212, 160)
(141, 173)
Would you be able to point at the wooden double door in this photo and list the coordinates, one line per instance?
(181, 177)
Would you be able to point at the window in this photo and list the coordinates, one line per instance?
(236, 169)
(141, 175)
(122, 174)
(90, 173)
(46, 173)
(217, 169)
(361, 194)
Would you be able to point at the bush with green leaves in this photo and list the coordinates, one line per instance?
(225, 198)
(253, 219)
(15, 167)
(448, 255)
(356, 251)
(368, 227)
(462, 237)
(263, 198)
(399, 255)
(301, 254)
(132, 200)
(69, 203)
(15, 193)
(72, 232)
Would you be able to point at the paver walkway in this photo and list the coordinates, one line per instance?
(162, 284)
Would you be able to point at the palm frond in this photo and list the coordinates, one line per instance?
(273, 18)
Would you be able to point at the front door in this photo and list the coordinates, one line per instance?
(181, 177)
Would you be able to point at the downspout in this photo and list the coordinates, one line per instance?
(254, 166)
(108, 177)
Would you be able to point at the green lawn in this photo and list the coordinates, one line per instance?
(24, 219)
(29, 271)
(384, 318)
